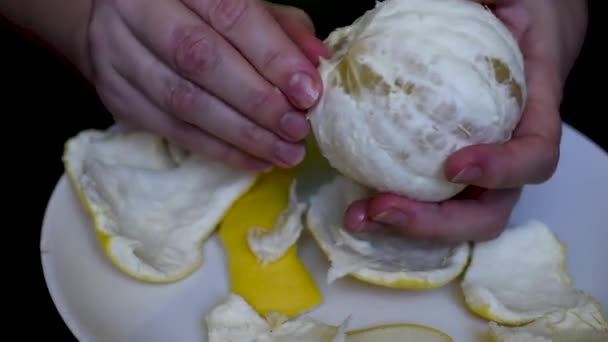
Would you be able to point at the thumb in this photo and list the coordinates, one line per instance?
(300, 28)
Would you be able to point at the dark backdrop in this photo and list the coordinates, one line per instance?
(44, 102)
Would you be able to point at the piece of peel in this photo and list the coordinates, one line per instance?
(150, 210)
(398, 333)
(390, 260)
(585, 323)
(284, 285)
(234, 320)
(271, 244)
(519, 276)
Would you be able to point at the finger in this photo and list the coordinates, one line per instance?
(173, 129)
(197, 53)
(248, 26)
(130, 106)
(356, 217)
(179, 97)
(188, 101)
(530, 157)
(449, 221)
(516, 18)
(291, 16)
(298, 26)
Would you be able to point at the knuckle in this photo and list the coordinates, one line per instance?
(272, 58)
(548, 153)
(194, 51)
(226, 14)
(181, 99)
(553, 155)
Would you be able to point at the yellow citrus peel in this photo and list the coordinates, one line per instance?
(284, 285)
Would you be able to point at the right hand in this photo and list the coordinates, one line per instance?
(230, 79)
(530, 157)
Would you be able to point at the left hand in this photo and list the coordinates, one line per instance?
(530, 157)
(228, 79)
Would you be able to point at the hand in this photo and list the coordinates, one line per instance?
(530, 157)
(226, 78)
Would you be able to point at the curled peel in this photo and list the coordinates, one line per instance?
(385, 259)
(151, 203)
(266, 287)
(520, 276)
(271, 244)
(234, 320)
(584, 322)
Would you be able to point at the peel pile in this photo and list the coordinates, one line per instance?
(154, 209)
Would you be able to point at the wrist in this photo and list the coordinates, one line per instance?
(60, 26)
(73, 44)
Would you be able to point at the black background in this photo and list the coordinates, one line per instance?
(44, 102)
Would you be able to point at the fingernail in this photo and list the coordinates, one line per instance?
(469, 174)
(392, 217)
(302, 90)
(356, 223)
(288, 155)
(294, 126)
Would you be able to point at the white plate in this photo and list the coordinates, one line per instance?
(99, 303)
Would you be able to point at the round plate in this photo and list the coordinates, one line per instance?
(99, 303)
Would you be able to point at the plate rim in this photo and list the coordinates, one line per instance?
(50, 278)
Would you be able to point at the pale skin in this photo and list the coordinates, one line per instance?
(232, 79)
